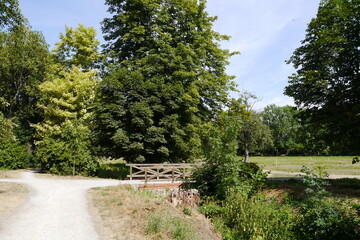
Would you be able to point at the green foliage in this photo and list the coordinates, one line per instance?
(113, 169)
(315, 182)
(223, 170)
(328, 219)
(211, 209)
(10, 13)
(69, 153)
(255, 217)
(13, 155)
(64, 135)
(187, 211)
(284, 125)
(154, 225)
(326, 82)
(322, 217)
(78, 47)
(6, 128)
(174, 227)
(165, 78)
(24, 58)
(253, 133)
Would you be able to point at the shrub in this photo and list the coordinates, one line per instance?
(69, 153)
(187, 211)
(255, 217)
(322, 217)
(223, 168)
(211, 209)
(215, 180)
(328, 219)
(13, 155)
(55, 157)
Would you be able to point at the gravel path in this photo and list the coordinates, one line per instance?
(56, 210)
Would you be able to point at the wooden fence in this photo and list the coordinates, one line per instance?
(160, 172)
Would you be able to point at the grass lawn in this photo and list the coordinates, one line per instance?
(340, 165)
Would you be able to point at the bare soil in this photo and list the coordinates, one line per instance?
(121, 212)
(10, 174)
(12, 196)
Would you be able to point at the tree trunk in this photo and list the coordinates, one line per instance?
(246, 155)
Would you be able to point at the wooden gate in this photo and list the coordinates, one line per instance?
(160, 172)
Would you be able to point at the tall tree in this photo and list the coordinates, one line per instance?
(166, 77)
(10, 13)
(326, 83)
(78, 47)
(253, 134)
(24, 57)
(284, 126)
(64, 135)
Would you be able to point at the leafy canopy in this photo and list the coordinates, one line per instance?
(78, 47)
(24, 57)
(326, 82)
(165, 78)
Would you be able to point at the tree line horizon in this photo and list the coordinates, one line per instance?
(158, 90)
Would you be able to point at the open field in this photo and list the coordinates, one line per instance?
(339, 165)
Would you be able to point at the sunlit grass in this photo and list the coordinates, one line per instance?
(332, 164)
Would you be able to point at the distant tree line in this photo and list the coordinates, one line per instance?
(158, 88)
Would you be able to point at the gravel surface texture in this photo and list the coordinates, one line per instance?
(56, 210)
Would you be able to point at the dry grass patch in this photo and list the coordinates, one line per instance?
(122, 212)
(10, 174)
(342, 188)
(12, 195)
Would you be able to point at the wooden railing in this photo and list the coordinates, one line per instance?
(160, 172)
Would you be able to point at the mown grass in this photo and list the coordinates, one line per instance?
(340, 165)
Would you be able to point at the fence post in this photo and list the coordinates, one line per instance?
(130, 172)
(145, 176)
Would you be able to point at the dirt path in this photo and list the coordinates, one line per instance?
(57, 209)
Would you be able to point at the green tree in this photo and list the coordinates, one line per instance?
(326, 83)
(24, 57)
(253, 133)
(64, 135)
(78, 47)
(166, 77)
(10, 13)
(284, 126)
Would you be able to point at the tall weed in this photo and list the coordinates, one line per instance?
(256, 217)
(172, 227)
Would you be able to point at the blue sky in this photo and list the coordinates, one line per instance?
(266, 32)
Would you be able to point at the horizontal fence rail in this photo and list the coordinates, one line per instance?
(160, 172)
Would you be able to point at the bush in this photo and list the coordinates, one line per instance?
(68, 153)
(215, 180)
(322, 217)
(13, 155)
(255, 217)
(223, 168)
(327, 219)
(55, 157)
